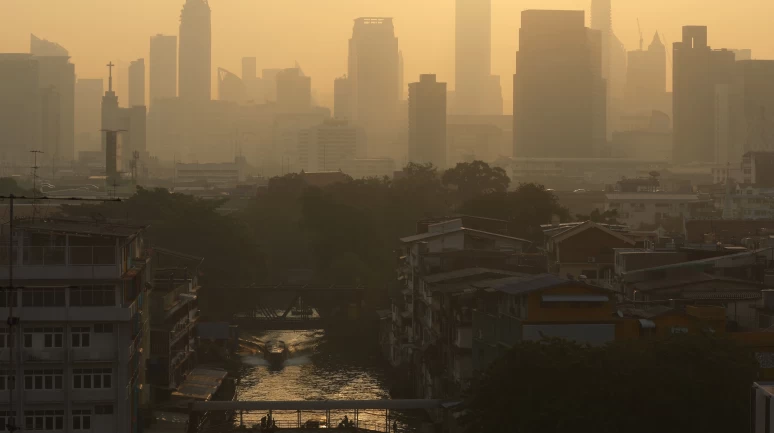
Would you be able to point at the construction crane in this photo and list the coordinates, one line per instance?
(640, 30)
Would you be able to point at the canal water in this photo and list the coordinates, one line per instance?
(319, 368)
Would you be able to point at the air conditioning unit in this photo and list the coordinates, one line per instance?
(592, 259)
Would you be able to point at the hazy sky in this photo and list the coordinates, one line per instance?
(315, 32)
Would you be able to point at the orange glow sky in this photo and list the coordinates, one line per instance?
(315, 32)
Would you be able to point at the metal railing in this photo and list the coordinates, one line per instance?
(60, 256)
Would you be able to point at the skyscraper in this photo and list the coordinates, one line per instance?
(20, 111)
(341, 98)
(613, 60)
(230, 87)
(427, 121)
(56, 71)
(294, 91)
(137, 83)
(646, 78)
(473, 55)
(559, 94)
(88, 94)
(195, 51)
(163, 67)
(254, 91)
(326, 146)
(374, 80)
(701, 79)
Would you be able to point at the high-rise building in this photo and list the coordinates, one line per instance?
(473, 58)
(701, 79)
(341, 98)
(195, 74)
(269, 77)
(137, 83)
(374, 79)
(427, 121)
(559, 93)
(254, 91)
(324, 147)
(20, 111)
(55, 70)
(753, 107)
(130, 122)
(230, 87)
(163, 67)
(613, 60)
(294, 91)
(88, 96)
(646, 78)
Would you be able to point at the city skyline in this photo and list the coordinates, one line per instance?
(321, 43)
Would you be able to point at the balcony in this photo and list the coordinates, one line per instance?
(463, 338)
(62, 262)
(43, 355)
(44, 396)
(93, 355)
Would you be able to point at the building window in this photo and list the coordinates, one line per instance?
(92, 378)
(93, 296)
(43, 297)
(5, 418)
(82, 419)
(7, 380)
(103, 328)
(80, 336)
(44, 419)
(679, 330)
(4, 299)
(52, 337)
(48, 379)
(103, 409)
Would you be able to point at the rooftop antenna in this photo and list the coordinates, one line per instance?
(110, 76)
(640, 30)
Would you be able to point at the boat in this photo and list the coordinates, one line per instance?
(276, 352)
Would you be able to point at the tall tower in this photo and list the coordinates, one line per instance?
(374, 79)
(163, 67)
(195, 76)
(473, 55)
(559, 94)
(137, 83)
(427, 121)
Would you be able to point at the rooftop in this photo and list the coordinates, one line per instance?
(455, 276)
(424, 236)
(518, 285)
(80, 226)
(652, 196)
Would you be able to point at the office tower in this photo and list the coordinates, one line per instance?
(753, 109)
(254, 91)
(163, 67)
(55, 70)
(374, 80)
(613, 60)
(646, 78)
(473, 58)
(269, 77)
(230, 87)
(294, 91)
(88, 96)
(195, 75)
(401, 90)
(131, 122)
(701, 79)
(325, 147)
(82, 342)
(341, 98)
(20, 111)
(137, 83)
(427, 121)
(559, 94)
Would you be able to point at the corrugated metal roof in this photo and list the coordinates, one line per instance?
(654, 196)
(424, 236)
(468, 272)
(528, 283)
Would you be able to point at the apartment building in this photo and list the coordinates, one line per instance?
(75, 362)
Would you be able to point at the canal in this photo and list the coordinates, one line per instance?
(319, 368)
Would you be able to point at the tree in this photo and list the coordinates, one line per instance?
(526, 208)
(637, 386)
(606, 217)
(475, 178)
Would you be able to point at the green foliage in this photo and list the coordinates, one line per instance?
(9, 185)
(606, 217)
(684, 383)
(476, 178)
(527, 207)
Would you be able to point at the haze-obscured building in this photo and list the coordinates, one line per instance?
(559, 93)
(195, 51)
(137, 83)
(88, 97)
(427, 121)
(324, 147)
(163, 67)
(294, 91)
(477, 91)
(20, 112)
(646, 79)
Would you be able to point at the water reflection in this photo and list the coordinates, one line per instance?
(318, 368)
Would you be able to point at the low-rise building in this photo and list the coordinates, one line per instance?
(649, 209)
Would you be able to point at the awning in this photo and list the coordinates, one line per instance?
(575, 298)
(647, 324)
